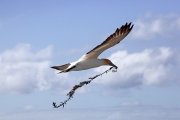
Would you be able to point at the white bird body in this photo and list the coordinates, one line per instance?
(90, 60)
(86, 64)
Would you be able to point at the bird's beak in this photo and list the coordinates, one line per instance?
(111, 64)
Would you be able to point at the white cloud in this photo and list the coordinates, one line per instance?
(23, 52)
(25, 71)
(132, 112)
(149, 67)
(149, 27)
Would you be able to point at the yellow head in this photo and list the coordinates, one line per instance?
(108, 62)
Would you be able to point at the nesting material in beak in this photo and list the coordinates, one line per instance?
(111, 64)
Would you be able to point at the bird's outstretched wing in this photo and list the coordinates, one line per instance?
(112, 40)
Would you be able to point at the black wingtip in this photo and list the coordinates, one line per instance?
(117, 30)
(126, 24)
(132, 27)
(129, 24)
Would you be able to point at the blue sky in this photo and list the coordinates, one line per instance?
(35, 35)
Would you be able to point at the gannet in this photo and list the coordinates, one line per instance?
(90, 59)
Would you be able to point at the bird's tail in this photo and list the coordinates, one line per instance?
(61, 67)
(67, 70)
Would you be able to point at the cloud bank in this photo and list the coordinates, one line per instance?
(149, 27)
(125, 111)
(24, 71)
(158, 67)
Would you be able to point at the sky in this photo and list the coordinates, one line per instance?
(38, 34)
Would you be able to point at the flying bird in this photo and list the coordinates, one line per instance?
(90, 59)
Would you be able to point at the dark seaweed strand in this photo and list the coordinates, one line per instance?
(71, 93)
